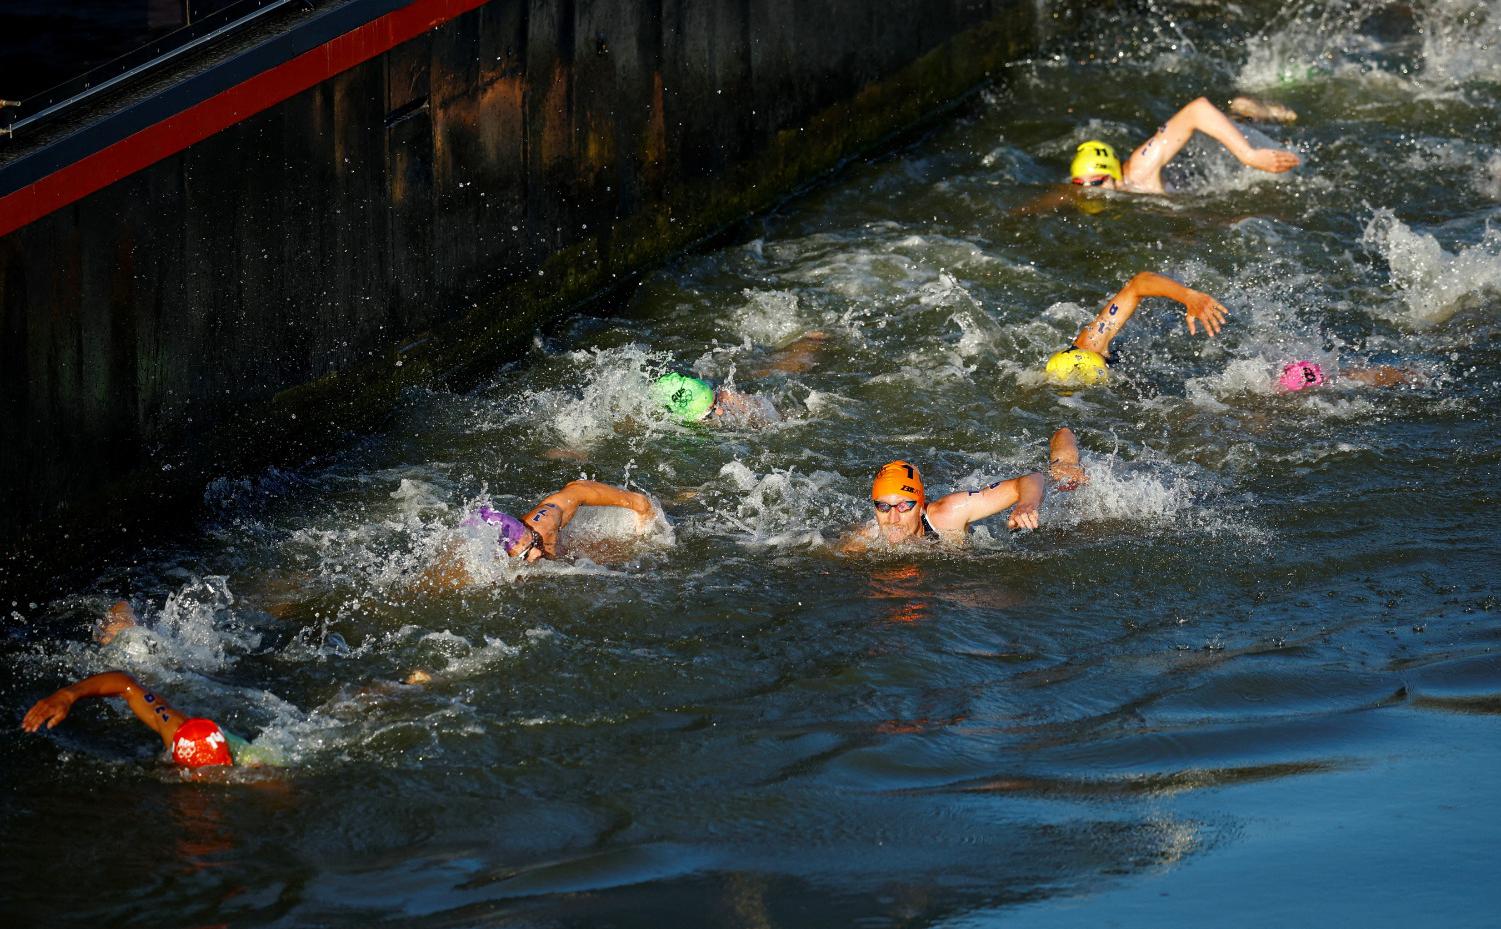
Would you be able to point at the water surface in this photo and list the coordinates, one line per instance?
(1248, 675)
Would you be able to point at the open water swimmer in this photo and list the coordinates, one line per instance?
(694, 400)
(1087, 360)
(536, 535)
(904, 514)
(193, 742)
(1303, 375)
(1095, 163)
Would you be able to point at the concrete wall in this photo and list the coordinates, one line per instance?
(416, 216)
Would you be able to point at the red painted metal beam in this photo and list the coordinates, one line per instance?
(196, 123)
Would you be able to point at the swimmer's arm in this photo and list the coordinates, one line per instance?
(1050, 202)
(593, 493)
(447, 572)
(1022, 495)
(1143, 169)
(857, 539)
(746, 406)
(1199, 308)
(1383, 376)
(557, 510)
(797, 356)
(148, 707)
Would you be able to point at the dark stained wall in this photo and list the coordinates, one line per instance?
(417, 215)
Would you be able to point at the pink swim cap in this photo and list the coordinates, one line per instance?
(1301, 374)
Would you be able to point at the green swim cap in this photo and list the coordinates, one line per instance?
(687, 398)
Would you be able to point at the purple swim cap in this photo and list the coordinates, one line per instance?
(1300, 374)
(511, 529)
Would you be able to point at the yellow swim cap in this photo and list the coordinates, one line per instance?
(1077, 366)
(1094, 159)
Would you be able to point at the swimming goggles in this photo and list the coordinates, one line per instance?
(534, 542)
(904, 506)
(1094, 183)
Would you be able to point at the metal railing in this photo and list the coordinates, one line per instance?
(62, 56)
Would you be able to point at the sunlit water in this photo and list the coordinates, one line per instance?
(1247, 676)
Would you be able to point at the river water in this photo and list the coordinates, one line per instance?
(1248, 675)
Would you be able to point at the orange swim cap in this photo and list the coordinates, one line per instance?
(200, 743)
(898, 477)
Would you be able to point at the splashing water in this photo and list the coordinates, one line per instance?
(1434, 284)
(1461, 41)
(1265, 612)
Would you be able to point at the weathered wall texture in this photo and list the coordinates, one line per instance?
(428, 207)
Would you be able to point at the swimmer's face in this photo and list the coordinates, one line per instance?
(1099, 180)
(896, 525)
(528, 549)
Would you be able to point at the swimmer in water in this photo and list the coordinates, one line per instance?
(1086, 360)
(903, 513)
(535, 535)
(1095, 163)
(193, 742)
(1301, 375)
(693, 400)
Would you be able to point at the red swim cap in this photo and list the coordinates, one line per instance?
(200, 743)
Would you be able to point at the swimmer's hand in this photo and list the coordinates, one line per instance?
(50, 710)
(857, 539)
(1023, 516)
(1067, 475)
(1243, 107)
(1202, 308)
(1273, 160)
(648, 515)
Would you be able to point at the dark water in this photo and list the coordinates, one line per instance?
(1248, 676)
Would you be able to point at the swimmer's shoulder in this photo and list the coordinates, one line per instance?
(250, 754)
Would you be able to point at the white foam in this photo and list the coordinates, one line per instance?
(1310, 42)
(1461, 41)
(1148, 494)
(779, 508)
(1434, 283)
(768, 317)
(195, 631)
(609, 386)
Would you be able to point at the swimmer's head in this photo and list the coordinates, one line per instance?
(200, 743)
(510, 529)
(900, 479)
(1093, 162)
(687, 398)
(1300, 374)
(898, 496)
(1074, 366)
